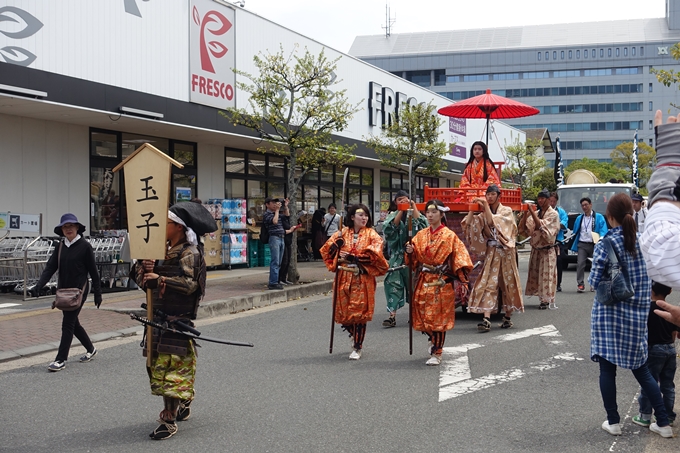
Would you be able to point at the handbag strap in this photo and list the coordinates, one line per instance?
(611, 253)
(61, 243)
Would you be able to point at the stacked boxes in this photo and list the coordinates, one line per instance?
(235, 248)
(265, 256)
(253, 253)
(213, 246)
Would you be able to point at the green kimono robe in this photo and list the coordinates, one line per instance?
(396, 237)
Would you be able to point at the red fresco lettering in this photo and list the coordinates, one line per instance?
(212, 87)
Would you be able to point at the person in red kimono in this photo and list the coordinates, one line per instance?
(438, 257)
(479, 172)
(354, 253)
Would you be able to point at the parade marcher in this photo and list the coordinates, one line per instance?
(178, 283)
(439, 257)
(479, 172)
(494, 231)
(74, 259)
(395, 229)
(359, 262)
(561, 246)
(542, 228)
(619, 332)
(589, 227)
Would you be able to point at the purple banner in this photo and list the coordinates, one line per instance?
(458, 130)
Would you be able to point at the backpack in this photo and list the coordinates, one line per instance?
(264, 234)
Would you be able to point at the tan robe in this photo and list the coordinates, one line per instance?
(542, 280)
(500, 266)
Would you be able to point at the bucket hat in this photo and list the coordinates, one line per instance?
(68, 218)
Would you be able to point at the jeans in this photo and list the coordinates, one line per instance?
(646, 381)
(661, 364)
(585, 250)
(276, 247)
(71, 326)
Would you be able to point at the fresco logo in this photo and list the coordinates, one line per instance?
(212, 24)
(16, 23)
(217, 49)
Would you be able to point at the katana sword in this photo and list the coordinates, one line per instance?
(337, 256)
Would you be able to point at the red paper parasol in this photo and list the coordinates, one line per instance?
(488, 106)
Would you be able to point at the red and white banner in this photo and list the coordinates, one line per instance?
(211, 54)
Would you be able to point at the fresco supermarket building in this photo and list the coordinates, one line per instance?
(83, 84)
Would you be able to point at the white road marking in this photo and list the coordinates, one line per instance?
(7, 305)
(455, 376)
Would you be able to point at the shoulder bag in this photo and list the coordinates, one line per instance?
(615, 285)
(67, 299)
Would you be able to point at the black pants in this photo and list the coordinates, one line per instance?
(285, 263)
(561, 263)
(70, 326)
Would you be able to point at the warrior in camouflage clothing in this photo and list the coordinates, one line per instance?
(178, 283)
(395, 229)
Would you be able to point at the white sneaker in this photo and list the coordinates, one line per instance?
(88, 356)
(665, 431)
(614, 430)
(355, 355)
(433, 361)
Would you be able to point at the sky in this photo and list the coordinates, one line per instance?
(336, 24)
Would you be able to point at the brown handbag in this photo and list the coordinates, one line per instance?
(67, 299)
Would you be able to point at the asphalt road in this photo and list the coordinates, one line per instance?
(532, 388)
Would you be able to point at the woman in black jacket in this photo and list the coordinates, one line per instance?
(74, 265)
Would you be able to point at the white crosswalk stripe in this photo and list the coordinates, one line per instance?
(455, 377)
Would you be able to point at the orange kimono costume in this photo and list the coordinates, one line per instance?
(473, 175)
(433, 301)
(355, 300)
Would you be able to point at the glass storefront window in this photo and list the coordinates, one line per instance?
(234, 188)
(235, 162)
(183, 187)
(396, 181)
(276, 190)
(133, 141)
(327, 174)
(256, 164)
(311, 197)
(276, 167)
(367, 177)
(185, 154)
(385, 179)
(326, 197)
(103, 145)
(354, 175)
(256, 194)
(105, 202)
(312, 175)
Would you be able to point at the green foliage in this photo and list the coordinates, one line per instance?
(622, 157)
(545, 180)
(413, 136)
(604, 171)
(295, 108)
(523, 164)
(669, 77)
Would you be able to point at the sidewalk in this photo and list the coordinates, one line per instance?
(29, 331)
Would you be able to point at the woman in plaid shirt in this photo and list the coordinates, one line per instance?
(619, 332)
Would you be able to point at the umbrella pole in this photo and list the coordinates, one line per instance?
(488, 118)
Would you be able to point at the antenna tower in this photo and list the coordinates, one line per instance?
(389, 21)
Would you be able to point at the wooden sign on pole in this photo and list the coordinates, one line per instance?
(147, 193)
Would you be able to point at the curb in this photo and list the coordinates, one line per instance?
(207, 310)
